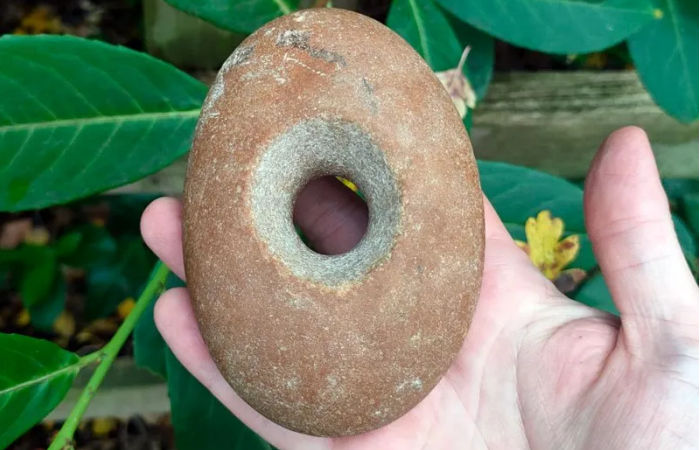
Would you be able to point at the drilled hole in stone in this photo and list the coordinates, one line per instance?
(330, 215)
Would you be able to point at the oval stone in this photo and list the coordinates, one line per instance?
(342, 344)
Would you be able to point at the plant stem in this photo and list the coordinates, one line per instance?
(105, 356)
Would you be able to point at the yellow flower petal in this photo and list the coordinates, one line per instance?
(39, 21)
(567, 250)
(84, 336)
(37, 236)
(553, 228)
(348, 183)
(64, 325)
(103, 426)
(23, 318)
(125, 307)
(546, 251)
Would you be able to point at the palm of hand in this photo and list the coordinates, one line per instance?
(537, 369)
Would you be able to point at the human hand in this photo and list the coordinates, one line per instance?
(536, 370)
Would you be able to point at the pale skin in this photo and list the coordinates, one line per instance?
(536, 370)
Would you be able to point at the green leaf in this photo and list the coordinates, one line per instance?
(25, 254)
(96, 247)
(199, 419)
(518, 193)
(677, 188)
(423, 25)
(242, 16)
(665, 52)
(36, 375)
(67, 244)
(555, 26)
(690, 211)
(110, 284)
(38, 277)
(149, 346)
(688, 242)
(4, 277)
(44, 314)
(595, 294)
(79, 116)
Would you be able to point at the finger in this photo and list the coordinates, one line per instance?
(161, 228)
(332, 217)
(629, 222)
(176, 322)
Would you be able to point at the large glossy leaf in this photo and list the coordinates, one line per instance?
(243, 16)
(595, 293)
(80, 116)
(690, 209)
(518, 193)
(199, 419)
(555, 26)
(423, 25)
(665, 52)
(149, 346)
(689, 243)
(35, 376)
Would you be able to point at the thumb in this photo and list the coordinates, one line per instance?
(629, 223)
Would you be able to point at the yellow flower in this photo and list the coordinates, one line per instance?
(64, 325)
(38, 236)
(545, 247)
(349, 184)
(101, 427)
(23, 318)
(39, 21)
(125, 307)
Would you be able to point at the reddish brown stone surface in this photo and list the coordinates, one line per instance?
(317, 349)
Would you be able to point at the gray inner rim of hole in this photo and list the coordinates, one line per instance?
(308, 150)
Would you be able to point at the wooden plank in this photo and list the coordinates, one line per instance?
(187, 41)
(554, 121)
(551, 121)
(126, 390)
(183, 39)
